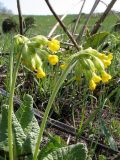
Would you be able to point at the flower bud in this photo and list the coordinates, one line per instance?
(38, 61)
(19, 39)
(39, 40)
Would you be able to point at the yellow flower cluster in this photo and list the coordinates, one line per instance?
(31, 58)
(105, 59)
(54, 45)
(92, 65)
(105, 77)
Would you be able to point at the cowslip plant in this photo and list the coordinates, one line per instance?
(25, 53)
(34, 52)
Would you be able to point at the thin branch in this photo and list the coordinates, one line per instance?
(102, 18)
(56, 25)
(62, 25)
(20, 17)
(78, 18)
(87, 20)
(111, 10)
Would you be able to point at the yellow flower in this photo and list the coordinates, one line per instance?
(63, 66)
(106, 60)
(102, 56)
(54, 45)
(106, 63)
(53, 59)
(96, 78)
(110, 56)
(105, 77)
(92, 85)
(40, 73)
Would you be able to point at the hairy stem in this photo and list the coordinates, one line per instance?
(10, 110)
(51, 100)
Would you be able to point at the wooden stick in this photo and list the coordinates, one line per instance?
(20, 17)
(62, 25)
(78, 18)
(78, 39)
(102, 18)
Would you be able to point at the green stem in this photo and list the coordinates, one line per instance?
(10, 110)
(51, 100)
(11, 67)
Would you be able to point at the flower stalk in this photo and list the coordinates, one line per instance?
(51, 100)
(10, 110)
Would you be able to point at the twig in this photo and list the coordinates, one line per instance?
(102, 18)
(78, 39)
(20, 17)
(78, 18)
(62, 25)
(4, 75)
(56, 25)
(111, 10)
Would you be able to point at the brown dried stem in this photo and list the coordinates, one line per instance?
(62, 25)
(20, 17)
(78, 18)
(78, 39)
(102, 18)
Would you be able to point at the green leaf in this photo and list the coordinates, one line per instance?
(108, 136)
(31, 138)
(3, 129)
(72, 152)
(29, 123)
(95, 40)
(18, 133)
(25, 114)
(54, 143)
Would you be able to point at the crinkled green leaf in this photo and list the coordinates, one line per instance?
(29, 123)
(31, 138)
(18, 133)
(25, 114)
(73, 152)
(95, 40)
